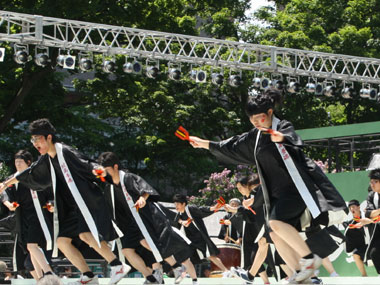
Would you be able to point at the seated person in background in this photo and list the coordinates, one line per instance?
(230, 229)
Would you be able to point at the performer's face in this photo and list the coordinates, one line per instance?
(375, 185)
(41, 143)
(111, 170)
(20, 164)
(262, 119)
(234, 204)
(355, 210)
(180, 207)
(243, 189)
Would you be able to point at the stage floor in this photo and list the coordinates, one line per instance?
(223, 281)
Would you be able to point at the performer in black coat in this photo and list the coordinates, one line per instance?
(142, 220)
(373, 212)
(190, 219)
(33, 222)
(357, 236)
(78, 199)
(287, 177)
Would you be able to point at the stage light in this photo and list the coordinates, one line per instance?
(235, 80)
(329, 91)
(256, 82)
(109, 66)
(174, 74)
(201, 76)
(319, 89)
(366, 91)
(42, 59)
(277, 84)
(373, 94)
(137, 67)
(21, 54)
(217, 78)
(152, 72)
(347, 93)
(265, 83)
(310, 87)
(85, 61)
(85, 64)
(66, 61)
(2, 54)
(293, 86)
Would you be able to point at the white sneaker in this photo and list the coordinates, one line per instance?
(158, 274)
(179, 274)
(195, 283)
(226, 274)
(334, 274)
(307, 267)
(85, 280)
(118, 272)
(291, 279)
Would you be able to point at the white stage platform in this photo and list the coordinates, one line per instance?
(223, 281)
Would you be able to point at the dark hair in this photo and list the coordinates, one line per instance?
(179, 198)
(248, 180)
(24, 155)
(108, 159)
(42, 127)
(375, 174)
(262, 102)
(353, 202)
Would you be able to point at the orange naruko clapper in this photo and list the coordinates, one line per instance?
(183, 134)
(99, 173)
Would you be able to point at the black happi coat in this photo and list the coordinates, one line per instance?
(374, 229)
(27, 223)
(240, 150)
(38, 177)
(157, 224)
(199, 236)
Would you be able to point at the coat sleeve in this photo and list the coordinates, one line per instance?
(37, 176)
(79, 163)
(236, 150)
(200, 212)
(370, 205)
(140, 186)
(290, 136)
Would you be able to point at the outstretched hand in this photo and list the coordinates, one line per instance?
(275, 136)
(199, 143)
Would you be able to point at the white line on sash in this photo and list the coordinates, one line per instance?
(138, 219)
(295, 175)
(41, 219)
(14, 261)
(76, 194)
(242, 246)
(55, 212)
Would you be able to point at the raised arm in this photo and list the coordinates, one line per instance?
(236, 150)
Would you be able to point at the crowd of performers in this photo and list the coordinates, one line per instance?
(64, 197)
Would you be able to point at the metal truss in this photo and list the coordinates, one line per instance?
(110, 40)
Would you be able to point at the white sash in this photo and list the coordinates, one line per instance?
(117, 241)
(14, 261)
(138, 219)
(76, 194)
(262, 181)
(41, 219)
(193, 221)
(376, 200)
(242, 246)
(295, 175)
(55, 212)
